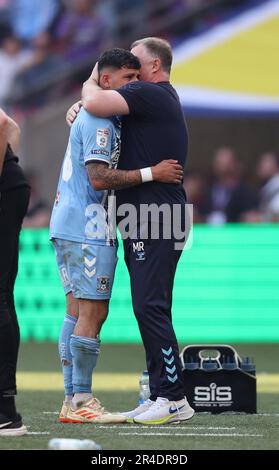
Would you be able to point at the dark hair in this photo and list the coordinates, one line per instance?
(118, 58)
(157, 48)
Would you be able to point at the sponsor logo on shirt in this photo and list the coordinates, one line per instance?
(100, 152)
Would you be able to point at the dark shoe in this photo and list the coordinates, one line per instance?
(12, 426)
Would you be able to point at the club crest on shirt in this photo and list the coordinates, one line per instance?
(103, 284)
(102, 136)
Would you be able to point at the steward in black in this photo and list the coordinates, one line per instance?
(14, 199)
(12, 175)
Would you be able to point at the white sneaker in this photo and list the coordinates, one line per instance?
(130, 415)
(164, 411)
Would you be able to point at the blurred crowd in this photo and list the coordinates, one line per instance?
(39, 211)
(224, 194)
(221, 196)
(44, 41)
(42, 38)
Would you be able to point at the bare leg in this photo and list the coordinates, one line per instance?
(72, 305)
(92, 315)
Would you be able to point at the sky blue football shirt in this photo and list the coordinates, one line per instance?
(79, 212)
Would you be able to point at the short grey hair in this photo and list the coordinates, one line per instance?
(158, 48)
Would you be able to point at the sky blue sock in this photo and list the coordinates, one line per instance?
(65, 352)
(85, 352)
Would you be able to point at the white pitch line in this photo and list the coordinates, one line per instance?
(174, 427)
(51, 412)
(188, 434)
(35, 433)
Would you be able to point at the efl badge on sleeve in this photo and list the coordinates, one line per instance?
(102, 137)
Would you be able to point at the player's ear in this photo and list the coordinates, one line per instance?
(105, 81)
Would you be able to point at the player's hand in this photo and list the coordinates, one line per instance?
(167, 171)
(73, 112)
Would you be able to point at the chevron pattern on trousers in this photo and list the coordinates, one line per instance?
(169, 361)
(171, 372)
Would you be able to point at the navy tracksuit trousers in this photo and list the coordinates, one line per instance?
(152, 265)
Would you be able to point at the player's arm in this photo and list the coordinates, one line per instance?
(102, 103)
(103, 177)
(3, 137)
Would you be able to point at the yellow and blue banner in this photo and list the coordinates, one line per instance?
(233, 67)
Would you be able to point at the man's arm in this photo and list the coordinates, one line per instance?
(9, 134)
(102, 103)
(3, 137)
(102, 177)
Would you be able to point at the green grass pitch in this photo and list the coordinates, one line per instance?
(40, 397)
